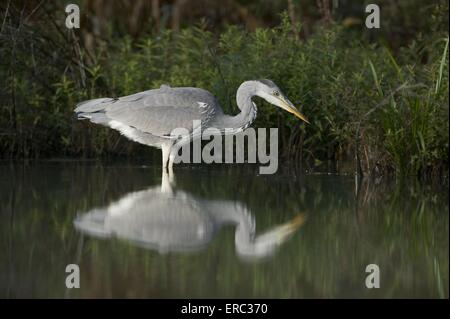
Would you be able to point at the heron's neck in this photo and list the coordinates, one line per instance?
(248, 109)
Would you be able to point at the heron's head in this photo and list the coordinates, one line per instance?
(270, 92)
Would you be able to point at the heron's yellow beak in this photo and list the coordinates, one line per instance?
(298, 221)
(290, 227)
(288, 106)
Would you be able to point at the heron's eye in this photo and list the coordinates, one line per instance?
(276, 93)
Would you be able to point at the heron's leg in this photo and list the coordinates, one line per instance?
(165, 155)
(170, 169)
(167, 182)
(172, 155)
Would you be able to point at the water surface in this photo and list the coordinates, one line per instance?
(217, 232)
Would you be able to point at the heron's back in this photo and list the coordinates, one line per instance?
(157, 112)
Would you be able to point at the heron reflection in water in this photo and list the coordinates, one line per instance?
(166, 220)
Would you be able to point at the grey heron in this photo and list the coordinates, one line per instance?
(165, 220)
(151, 116)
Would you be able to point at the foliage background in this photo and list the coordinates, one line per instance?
(377, 99)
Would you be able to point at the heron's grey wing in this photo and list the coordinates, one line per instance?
(161, 111)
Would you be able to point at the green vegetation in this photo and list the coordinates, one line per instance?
(373, 105)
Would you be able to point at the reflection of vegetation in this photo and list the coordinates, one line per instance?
(364, 94)
(402, 227)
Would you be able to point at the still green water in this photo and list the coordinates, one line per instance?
(217, 232)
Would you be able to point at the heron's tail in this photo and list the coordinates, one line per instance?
(94, 110)
(93, 223)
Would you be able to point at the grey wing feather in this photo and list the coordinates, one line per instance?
(94, 105)
(158, 111)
